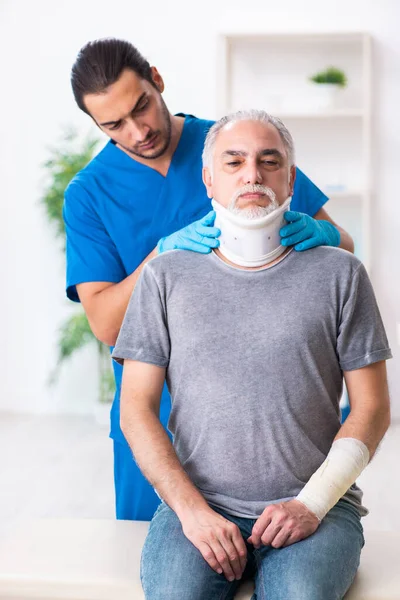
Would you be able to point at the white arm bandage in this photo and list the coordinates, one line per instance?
(347, 458)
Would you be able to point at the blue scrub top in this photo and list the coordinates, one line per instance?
(116, 209)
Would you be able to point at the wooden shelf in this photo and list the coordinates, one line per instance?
(296, 37)
(334, 114)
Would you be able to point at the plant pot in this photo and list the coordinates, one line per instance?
(323, 96)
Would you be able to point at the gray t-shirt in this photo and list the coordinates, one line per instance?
(255, 363)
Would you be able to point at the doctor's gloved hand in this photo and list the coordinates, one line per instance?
(199, 236)
(304, 232)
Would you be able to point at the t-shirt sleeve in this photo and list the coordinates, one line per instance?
(361, 338)
(91, 254)
(144, 333)
(307, 197)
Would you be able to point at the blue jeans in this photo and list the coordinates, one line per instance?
(320, 567)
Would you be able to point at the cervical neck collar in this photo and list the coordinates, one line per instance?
(250, 242)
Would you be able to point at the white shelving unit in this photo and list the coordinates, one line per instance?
(333, 146)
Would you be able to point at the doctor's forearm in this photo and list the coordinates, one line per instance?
(346, 241)
(105, 307)
(157, 459)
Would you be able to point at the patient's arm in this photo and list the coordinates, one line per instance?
(142, 385)
(356, 441)
(369, 415)
(285, 523)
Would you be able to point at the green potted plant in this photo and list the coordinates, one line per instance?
(70, 156)
(327, 84)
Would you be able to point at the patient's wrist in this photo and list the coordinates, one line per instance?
(188, 506)
(347, 458)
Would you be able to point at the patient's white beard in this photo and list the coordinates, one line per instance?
(253, 211)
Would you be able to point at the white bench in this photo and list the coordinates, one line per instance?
(74, 559)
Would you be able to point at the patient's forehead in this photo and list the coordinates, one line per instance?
(248, 136)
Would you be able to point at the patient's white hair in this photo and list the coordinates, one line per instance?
(247, 115)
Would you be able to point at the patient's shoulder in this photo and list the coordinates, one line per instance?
(175, 263)
(326, 260)
(333, 255)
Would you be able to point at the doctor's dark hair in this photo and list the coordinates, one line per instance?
(100, 63)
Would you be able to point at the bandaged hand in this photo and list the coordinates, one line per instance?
(283, 524)
(303, 232)
(199, 236)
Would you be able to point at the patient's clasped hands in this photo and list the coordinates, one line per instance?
(221, 543)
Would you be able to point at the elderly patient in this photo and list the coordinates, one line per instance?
(254, 341)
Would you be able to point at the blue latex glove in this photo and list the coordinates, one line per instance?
(304, 232)
(199, 236)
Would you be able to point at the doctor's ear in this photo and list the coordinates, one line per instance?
(207, 180)
(157, 80)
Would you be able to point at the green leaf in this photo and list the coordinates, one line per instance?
(330, 75)
(66, 159)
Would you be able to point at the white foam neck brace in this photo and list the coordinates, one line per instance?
(250, 242)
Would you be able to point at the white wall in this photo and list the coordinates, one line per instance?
(38, 44)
